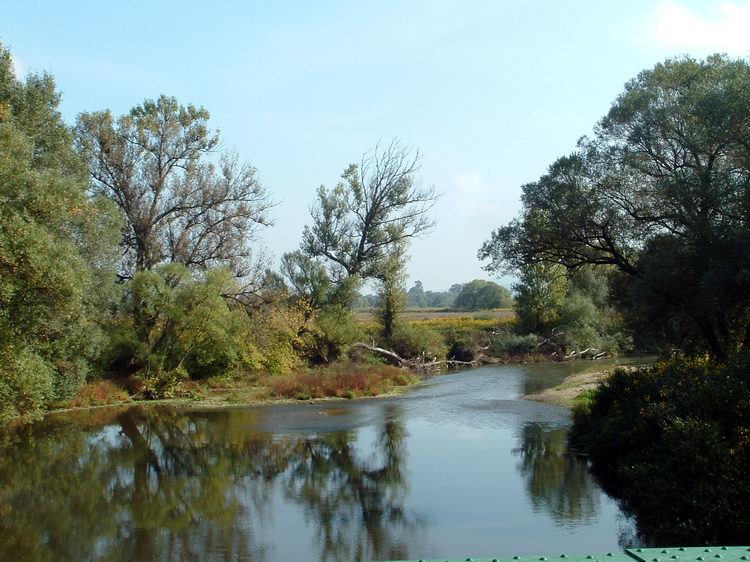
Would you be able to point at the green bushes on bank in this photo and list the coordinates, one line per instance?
(414, 340)
(677, 438)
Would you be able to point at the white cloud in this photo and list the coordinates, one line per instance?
(722, 27)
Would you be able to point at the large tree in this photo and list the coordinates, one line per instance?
(181, 204)
(356, 226)
(54, 241)
(661, 192)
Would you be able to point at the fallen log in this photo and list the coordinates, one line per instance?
(414, 364)
(380, 351)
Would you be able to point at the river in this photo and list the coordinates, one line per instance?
(460, 466)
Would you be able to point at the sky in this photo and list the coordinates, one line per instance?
(490, 92)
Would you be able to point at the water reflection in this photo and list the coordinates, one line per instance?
(172, 486)
(557, 480)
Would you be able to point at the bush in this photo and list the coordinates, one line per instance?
(162, 383)
(184, 322)
(343, 380)
(676, 437)
(25, 382)
(508, 344)
(334, 329)
(413, 340)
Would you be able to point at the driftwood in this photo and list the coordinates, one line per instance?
(588, 353)
(418, 363)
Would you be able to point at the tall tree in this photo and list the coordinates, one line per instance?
(52, 238)
(180, 204)
(665, 179)
(379, 205)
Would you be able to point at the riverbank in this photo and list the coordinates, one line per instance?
(574, 389)
(346, 381)
(341, 382)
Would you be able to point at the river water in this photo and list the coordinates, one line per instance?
(460, 466)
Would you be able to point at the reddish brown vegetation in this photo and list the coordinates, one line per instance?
(347, 380)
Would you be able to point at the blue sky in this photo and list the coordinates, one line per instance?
(491, 92)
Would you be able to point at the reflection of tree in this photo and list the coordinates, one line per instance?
(556, 479)
(357, 503)
(165, 485)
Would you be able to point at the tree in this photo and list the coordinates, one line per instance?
(540, 291)
(664, 180)
(379, 205)
(417, 297)
(180, 205)
(480, 294)
(53, 239)
(391, 294)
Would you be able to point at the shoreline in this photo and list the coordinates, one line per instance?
(253, 394)
(220, 401)
(573, 388)
(570, 389)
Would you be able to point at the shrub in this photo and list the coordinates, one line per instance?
(343, 380)
(162, 383)
(677, 438)
(173, 321)
(507, 344)
(334, 329)
(25, 382)
(413, 340)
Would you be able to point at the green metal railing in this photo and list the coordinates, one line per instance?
(676, 554)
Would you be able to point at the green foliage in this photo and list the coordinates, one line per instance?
(539, 295)
(587, 317)
(417, 297)
(508, 344)
(677, 436)
(160, 383)
(574, 309)
(308, 278)
(392, 297)
(26, 382)
(174, 326)
(483, 295)
(179, 204)
(360, 224)
(413, 340)
(660, 193)
(50, 237)
(334, 329)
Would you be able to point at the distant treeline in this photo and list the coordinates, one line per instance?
(475, 295)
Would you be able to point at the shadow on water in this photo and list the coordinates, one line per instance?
(189, 487)
(557, 480)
